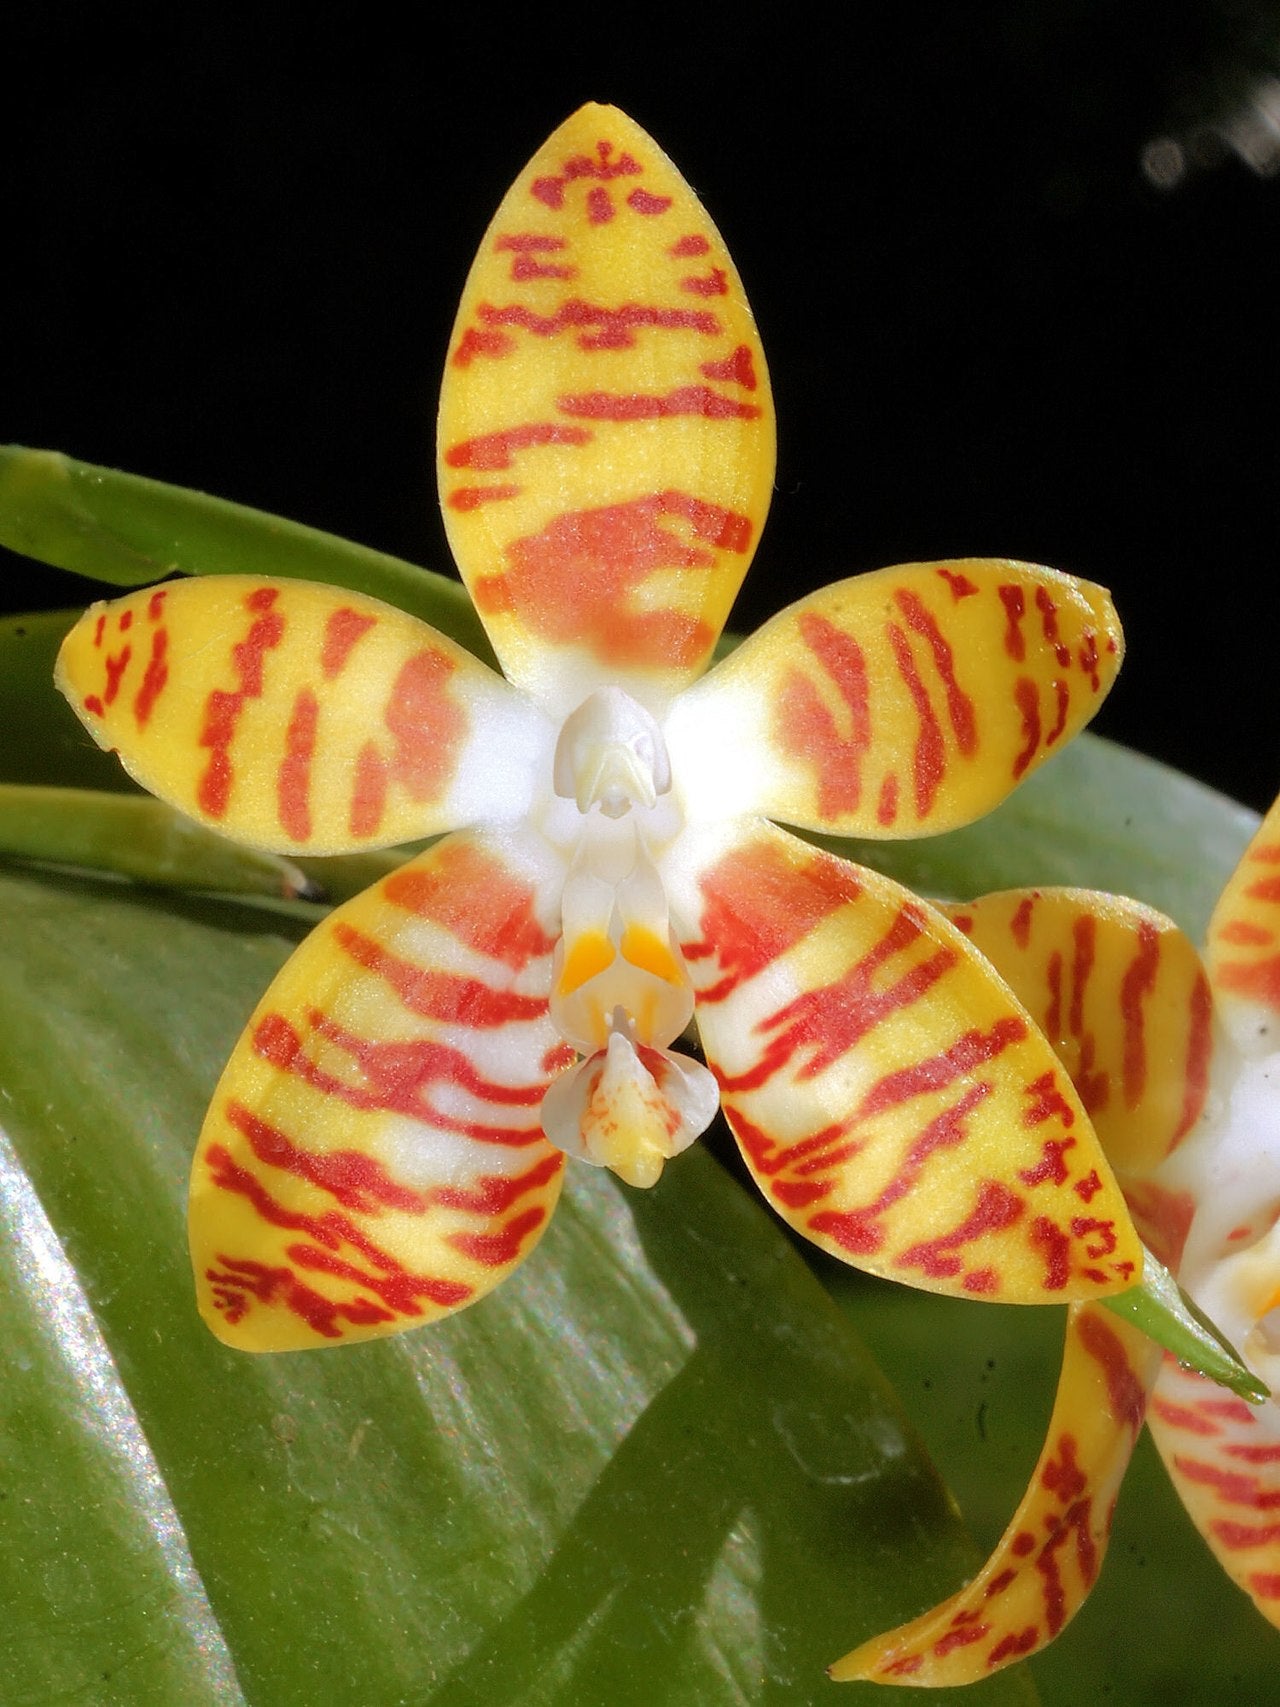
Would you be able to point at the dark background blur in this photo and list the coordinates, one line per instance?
(1015, 267)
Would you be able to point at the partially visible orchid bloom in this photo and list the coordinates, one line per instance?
(388, 1139)
(1178, 1063)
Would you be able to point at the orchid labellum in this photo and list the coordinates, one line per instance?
(1178, 1063)
(388, 1139)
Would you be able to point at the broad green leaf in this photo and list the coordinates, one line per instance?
(128, 530)
(655, 1467)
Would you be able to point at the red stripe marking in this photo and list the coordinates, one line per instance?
(1084, 935)
(1135, 988)
(1242, 933)
(368, 792)
(1238, 1536)
(427, 726)
(959, 706)
(1011, 1646)
(1236, 1487)
(468, 498)
(475, 897)
(1257, 981)
(1026, 696)
(961, 586)
(1264, 889)
(293, 780)
(501, 1248)
(759, 902)
(692, 244)
(1063, 695)
(1056, 1249)
(830, 1020)
(929, 760)
(154, 678)
(438, 995)
(738, 368)
(973, 1049)
(1015, 605)
(1051, 1169)
(1186, 1417)
(356, 1180)
(598, 327)
(861, 1230)
(572, 582)
(223, 709)
(805, 727)
(115, 667)
(396, 1077)
(342, 629)
(1126, 1394)
(524, 246)
(476, 342)
(490, 452)
(698, 400)
(94, 704)
(99, 628)
(997, 1209)
(1020, 924)
(1049, 620)
(714, 283)
(641, 201)
(887, 803)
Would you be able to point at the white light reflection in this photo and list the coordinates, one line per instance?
(103, 1411)
(1250, 131)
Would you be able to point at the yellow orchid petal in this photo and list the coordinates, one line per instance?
(299, 718)
(893, 1101)
(1049, 1556)
(1224, 1458)
(1121, 995)
(373, 1156)
(906, 701)
(606, 426)
(1243, 949)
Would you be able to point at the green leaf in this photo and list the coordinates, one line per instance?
(1165, 1314)
(124, 529)
(655, 1467)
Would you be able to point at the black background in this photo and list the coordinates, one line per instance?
(233, 243)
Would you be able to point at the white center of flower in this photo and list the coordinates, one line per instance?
(620, 992)
(1231, 1166)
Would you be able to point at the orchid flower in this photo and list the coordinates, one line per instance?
(388, 1139)
(1178, 1063)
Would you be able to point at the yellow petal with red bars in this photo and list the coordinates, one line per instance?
(373, 1156)
(892, 1100)
(1243, 950)
(300, 718)
(606, 443)
(1120, 993)
(906, 701)
(1224, 1458)
(1048, 1559)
